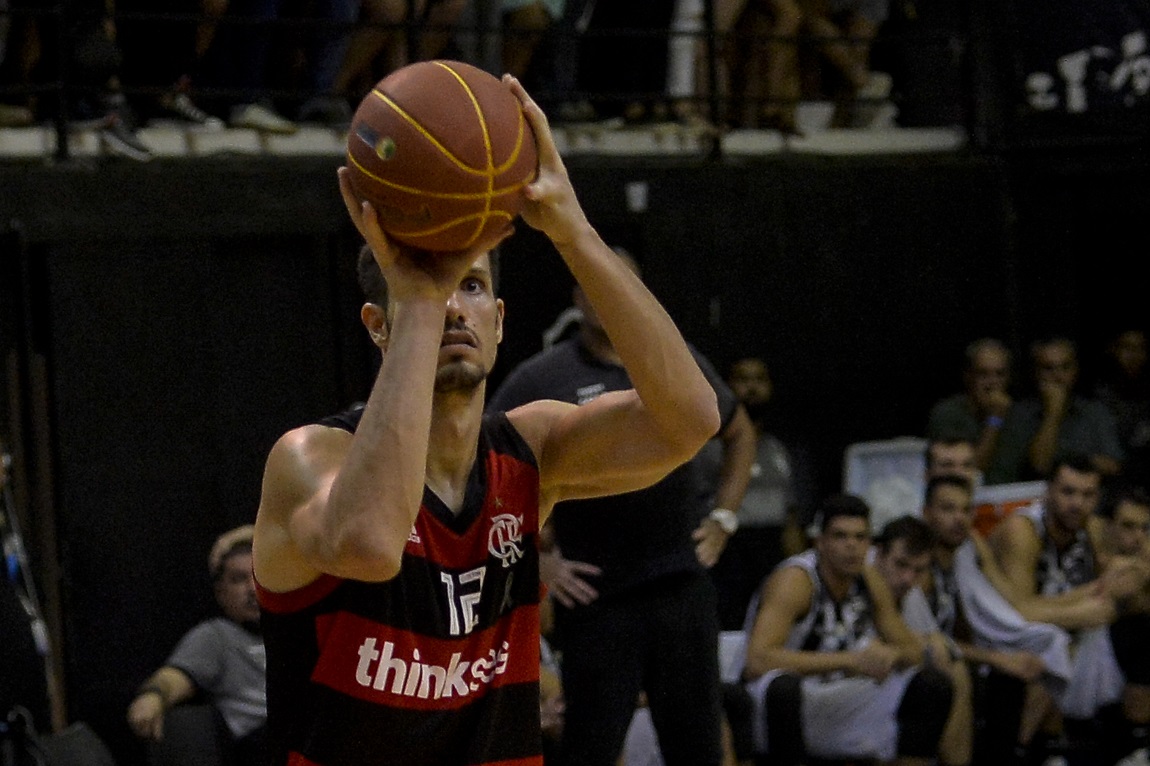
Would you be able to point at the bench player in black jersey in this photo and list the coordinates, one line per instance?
(395, 545)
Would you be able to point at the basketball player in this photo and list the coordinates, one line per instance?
(1053, 554)
(831, 667)
(395, 545)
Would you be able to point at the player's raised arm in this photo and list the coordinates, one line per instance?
(342, 504)
(621, 440)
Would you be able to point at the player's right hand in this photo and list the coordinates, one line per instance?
(875, 660)
(146, 716)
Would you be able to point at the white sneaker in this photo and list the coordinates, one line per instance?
(1140, 757)
(261, 118)
(872, 110)
(877, 87)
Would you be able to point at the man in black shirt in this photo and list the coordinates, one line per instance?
(636, 610)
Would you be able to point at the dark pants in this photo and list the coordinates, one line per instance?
(661, 639)
(998, 702)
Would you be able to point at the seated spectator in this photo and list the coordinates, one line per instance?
(831, 667)
(1123, 385)
(961, 599)
(770, 66)
(321, 48)
(96, 98)
(690, 57)
(981, 410)
(1126, 524)
(902, 557)
(380, 44)
(1126, 534)
(1051, 554)
(1055, 421)
(954, 456)
(817, 48)
(221, 658)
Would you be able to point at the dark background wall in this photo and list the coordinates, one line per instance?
(185, 315)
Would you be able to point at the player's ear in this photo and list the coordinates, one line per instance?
(374, 318)
(500, 309)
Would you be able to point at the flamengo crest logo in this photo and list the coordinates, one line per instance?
(505, 540)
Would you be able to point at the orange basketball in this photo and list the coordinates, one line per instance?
(442, 150)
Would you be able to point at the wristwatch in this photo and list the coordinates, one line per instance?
(726, 519)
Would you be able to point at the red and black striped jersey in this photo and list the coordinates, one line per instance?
(436, 667)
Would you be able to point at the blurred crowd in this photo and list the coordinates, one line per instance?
(272, 65)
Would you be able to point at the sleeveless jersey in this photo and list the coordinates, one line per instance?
(829, 625)
(1060, 570)
(438, 666)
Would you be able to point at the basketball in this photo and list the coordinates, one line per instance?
(442, 150)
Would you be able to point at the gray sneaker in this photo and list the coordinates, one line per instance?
(261, 118)
(181, 106)
(118, 138)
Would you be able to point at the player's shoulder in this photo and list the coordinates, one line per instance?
(1014, 534)
(789, 584)
(311, 439)
(535, 420)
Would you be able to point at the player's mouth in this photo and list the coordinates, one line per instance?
(457, 338)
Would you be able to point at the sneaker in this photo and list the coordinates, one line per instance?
(871, 105)
(877, 87)
(118, 138)
(261, 118)
(1140, 757)
(180, 105)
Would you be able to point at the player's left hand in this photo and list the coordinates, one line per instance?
(710, 540)
(552, 206)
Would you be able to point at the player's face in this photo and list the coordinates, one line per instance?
(236, 589)
(902, 570)
(1130, 528)
(843, 545)
(950, 515)
(955, 459)
(1071, 497)
(471, 333)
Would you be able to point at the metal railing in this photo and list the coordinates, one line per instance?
(479, 39)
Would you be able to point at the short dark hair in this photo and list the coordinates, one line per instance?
(374, 286)
(1075, 461)
(976, 347)
(1125, 493)
(916, 534)
(944, 439)
(947, 480)
(1053, 339)
(840, 505)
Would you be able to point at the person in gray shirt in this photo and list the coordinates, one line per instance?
(221, 658)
